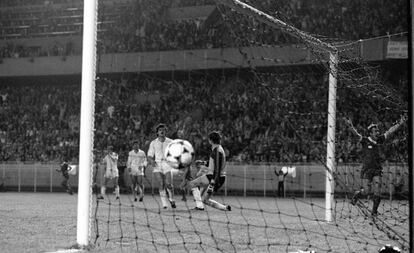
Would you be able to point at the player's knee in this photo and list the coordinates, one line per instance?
(207, 201)
(169, 186)
(191, 185)
(161, 185)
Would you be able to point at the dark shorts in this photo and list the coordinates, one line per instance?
(65, 174)
(218, 184)
(370, 173)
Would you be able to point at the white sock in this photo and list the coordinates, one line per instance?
(141, 191)
(117, 191)
(197, 197)
(170, 195)
(215, 204)
(164, 199)
(134, 193)
(103, 190)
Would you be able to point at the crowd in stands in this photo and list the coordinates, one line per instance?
(136, 26)
(41, 122)
(270, 118)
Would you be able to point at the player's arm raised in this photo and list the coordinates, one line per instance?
(395, 127)
(348, 122)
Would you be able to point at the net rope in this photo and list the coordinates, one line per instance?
(259, 221)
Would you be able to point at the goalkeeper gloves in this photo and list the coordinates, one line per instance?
(210, 187)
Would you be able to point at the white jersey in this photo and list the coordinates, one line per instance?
(157, 151)
(136, 162)
(111, 165)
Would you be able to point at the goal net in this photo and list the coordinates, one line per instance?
(280, 97)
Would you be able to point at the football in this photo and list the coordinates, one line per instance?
(179, 153)
(72, 169)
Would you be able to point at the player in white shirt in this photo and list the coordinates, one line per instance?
(111, 172)
(136, 165)
(161, 169)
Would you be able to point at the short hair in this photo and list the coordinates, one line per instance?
(161, 125)
(370, 127)
(199, 162)
(135, 141)
(215, 137)
(110, 147)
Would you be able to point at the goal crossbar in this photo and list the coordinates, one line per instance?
(276, 23)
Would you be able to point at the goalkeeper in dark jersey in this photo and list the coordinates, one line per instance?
(215, 174)
(64, 169)
(371, 172)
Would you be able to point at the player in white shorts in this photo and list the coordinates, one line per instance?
(136, 165)
(161, 169)
(111, 172)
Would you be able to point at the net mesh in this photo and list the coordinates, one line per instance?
(272, 111)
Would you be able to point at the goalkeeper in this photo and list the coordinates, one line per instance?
(371, 172)
(195, 184)
(216, 173)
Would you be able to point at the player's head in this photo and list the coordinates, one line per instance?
(373, 130)
(66, 158)
(199, 163)
(135, 145)
(161, 130)
(180, 133)
(214, 137)
(110, 149)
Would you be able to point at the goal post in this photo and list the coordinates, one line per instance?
(87, 122)
(330, 142)
(332, 55)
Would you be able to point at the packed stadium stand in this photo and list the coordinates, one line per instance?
(41, 120)
(178, 25)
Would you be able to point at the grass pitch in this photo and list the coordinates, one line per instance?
(46, 222)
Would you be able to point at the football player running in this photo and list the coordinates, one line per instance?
(136, 165)
(161, 168)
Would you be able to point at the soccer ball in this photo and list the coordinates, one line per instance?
(179, 153)
(72, 169)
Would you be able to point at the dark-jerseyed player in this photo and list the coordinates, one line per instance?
(371, 172)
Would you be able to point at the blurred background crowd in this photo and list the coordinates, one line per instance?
(153, 25)
(281, 123)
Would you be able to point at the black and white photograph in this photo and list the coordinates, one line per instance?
(279, 126)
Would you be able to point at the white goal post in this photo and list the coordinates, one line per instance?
(90, 13)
